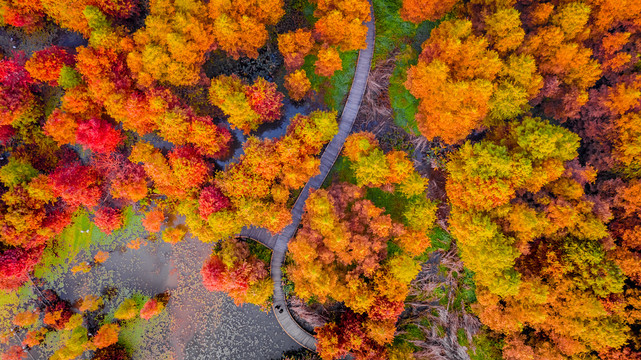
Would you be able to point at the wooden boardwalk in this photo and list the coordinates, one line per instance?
(278, 243)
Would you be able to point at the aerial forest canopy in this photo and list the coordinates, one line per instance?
(481, 200)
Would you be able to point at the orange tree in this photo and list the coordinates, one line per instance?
(178, 35)
(536, 243)
(353, 251)
(463, 84)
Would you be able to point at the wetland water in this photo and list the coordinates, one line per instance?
(198, 324)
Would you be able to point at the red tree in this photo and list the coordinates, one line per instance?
(212, 200)
(265, 99)
(15, 265)
(188, 165)
(77, 184)
(153, 220)
(98, 135)
(14, 353)
(6, 133)
(108, 219)
(45, 65)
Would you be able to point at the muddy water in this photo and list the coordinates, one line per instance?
(200, 324)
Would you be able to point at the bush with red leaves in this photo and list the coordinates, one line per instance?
(6, 133)
(153, 220)
(98, 135)
(45, 65)
(15, 265)
(16, 98)
(212, 200)
(57, 220)
(57, 311)
(14, 353)
(151, 308)
(108, 219)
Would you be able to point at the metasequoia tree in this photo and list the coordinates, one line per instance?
(18, 104)
(72, 326)
(109, 84)
(98, 135)
(542, 242)
(158, 168)
(233, 269)
(329, 61)
(45, 65)
(339, 28)
(178, 35)
(342, 252)
(254, 190)
(153, 307)
(67, 13)
(16, 265)
(418, 11)
(463, 84)
(108, 219)
(172, 45)
(106, 336)
(295, 46)
(77, 184)
(247, 106)
(297, 84)
(340, 23)
(240, 26)
(153, 220)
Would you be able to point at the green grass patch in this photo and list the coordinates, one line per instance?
(391, 30)
(462, 337)
(413, 332)
(123, 294)
(466, 292)
(393, 203)
(404, 104)
(341, 82)
(80, 240)
(393, 249)
(140, 337)
(441, 239)
(261, 251)
(488, 347)
(334, 89)
(341, 172)
(392, 33)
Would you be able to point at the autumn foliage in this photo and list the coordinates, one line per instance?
(108, 219)
(543, 249)
(297, 84)
(342, 252)
(418, 11)
(254, 190)
(178, 35)
(45, 65)
(233, 269)
(247, 106)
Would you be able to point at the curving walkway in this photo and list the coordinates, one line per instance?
(328, 159)
(278, 243)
